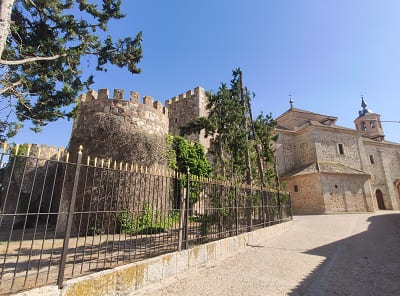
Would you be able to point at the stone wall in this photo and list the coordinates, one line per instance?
(385, 170)
(30, 185)
(295, 150)
(309, 198)
(346, 193)
(327, 140)
(119, 129)
(184, 109)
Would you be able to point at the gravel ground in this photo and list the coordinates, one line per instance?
(349, 254)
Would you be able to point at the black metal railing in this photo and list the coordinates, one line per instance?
(61, 219)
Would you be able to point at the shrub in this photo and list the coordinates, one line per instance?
(148, 221)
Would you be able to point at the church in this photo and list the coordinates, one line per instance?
(329, 168)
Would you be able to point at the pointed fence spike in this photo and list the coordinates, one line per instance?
(67, 157)
(88, 160)
(28, 151)
(4, 147)
(95, 161)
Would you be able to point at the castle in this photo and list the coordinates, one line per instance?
(135, 127)
(328, 168)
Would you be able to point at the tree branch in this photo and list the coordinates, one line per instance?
(12, 85)
(32, 59)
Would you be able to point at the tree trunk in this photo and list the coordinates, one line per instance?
(259, 160)
(5, 22)
(249, 176)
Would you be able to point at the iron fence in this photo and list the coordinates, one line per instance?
(60, 219)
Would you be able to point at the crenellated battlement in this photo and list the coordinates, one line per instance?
(184, 109)
(116, 127)
(102, 97)
(190, 94)
(44, 151)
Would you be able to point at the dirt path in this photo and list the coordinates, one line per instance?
(351, 254)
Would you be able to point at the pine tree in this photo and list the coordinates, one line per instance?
(42, 46)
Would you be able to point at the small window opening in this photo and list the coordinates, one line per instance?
(372, 124)
(296, 188)
(336, 186)
(341, 149)
(176, 120)
(363, 126)
(371, 159)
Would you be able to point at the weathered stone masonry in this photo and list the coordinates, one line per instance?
(124, 130)
(330, 168)
(186, 108)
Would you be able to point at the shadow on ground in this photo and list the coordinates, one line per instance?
(364, 264)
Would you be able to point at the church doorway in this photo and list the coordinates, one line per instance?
(379, 199)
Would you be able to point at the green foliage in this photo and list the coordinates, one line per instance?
(223, 216)
(171, 153)
(225, 124)
(181, 155)
(264, 126)
(228, 111)
(49, 44)
(147, 221)
(18, 158)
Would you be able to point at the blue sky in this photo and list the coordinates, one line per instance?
(325, 53)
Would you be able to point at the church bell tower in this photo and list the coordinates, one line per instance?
(369, 123)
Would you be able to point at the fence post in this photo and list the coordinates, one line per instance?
(182, 204)
(69, 221)
(237, 211)
(263, 205)
(279, 206)
(186, 225)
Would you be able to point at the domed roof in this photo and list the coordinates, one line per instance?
(364, 109)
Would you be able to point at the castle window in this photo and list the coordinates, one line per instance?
(176, 120)
(372, 124)
(341, 149)
(371, 159)
(296, 188)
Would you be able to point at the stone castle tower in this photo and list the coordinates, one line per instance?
(185, 108)
(123, 130)
(369, 123)
(134, 130)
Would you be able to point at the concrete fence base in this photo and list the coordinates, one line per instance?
(123, 280)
